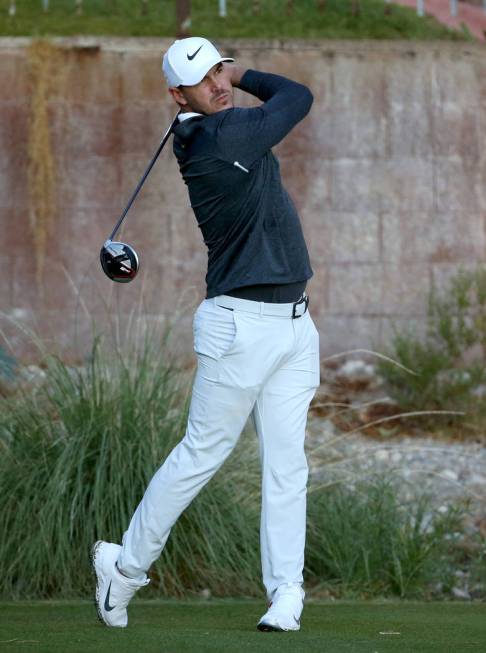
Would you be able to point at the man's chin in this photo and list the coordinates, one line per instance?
(226, 103)
(218, 106)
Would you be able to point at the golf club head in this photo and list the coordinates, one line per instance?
(119, 261)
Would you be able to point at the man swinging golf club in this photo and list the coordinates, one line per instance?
(257, 347)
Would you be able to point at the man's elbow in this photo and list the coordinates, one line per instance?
(306, 99)
(310, 98)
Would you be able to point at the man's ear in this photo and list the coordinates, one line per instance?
(178, 96)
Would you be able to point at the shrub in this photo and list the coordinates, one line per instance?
(446, 370)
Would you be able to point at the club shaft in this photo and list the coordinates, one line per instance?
(145, 175)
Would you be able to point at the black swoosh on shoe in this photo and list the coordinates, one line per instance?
(109, 607)
(191, 56)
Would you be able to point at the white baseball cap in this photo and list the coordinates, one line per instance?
(187, 61)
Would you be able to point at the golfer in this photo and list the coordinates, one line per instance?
(256, 345)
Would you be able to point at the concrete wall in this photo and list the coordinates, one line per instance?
(388, 172)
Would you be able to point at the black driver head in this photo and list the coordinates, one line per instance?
(119, 261)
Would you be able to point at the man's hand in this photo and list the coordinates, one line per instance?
(236, 73)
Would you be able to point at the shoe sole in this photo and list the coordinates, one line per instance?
(269, 628)
(94, 552)
(266, 628)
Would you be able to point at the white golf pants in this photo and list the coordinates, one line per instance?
(253, 359)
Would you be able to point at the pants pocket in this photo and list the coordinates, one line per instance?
(214, 330)
(306, 362)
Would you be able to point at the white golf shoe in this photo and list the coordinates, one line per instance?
(285, 609)
(113, 589)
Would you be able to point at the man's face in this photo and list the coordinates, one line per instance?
(213, 93)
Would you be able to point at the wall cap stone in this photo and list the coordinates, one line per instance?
(326, 46)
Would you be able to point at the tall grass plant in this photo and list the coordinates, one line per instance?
(370, 542)
(77, 451)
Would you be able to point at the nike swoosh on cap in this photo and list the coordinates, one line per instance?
(191, 56)
(109, 607)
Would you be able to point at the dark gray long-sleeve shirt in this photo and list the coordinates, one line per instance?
(247, 219)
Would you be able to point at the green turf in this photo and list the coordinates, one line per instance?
(229, 627)
(272, 20)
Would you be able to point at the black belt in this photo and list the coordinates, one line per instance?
(270, 293)
(293, 310)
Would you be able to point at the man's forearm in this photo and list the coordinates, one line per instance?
(254, 131)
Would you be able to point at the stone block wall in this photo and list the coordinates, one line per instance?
(388, 173)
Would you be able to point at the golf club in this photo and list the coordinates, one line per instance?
(120, 261)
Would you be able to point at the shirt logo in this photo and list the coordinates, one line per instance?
(191, 56)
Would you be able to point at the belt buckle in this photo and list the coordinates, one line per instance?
(303, 300)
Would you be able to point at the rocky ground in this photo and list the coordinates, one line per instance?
(354, 425)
